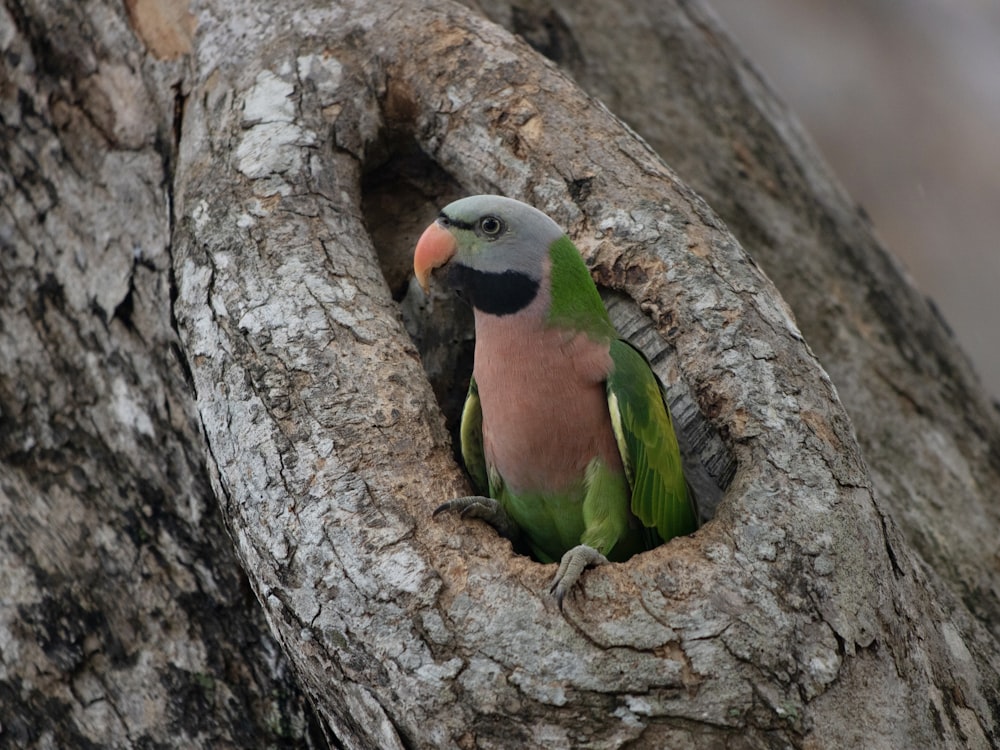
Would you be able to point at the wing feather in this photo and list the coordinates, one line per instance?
(471, 436)
(648, 445)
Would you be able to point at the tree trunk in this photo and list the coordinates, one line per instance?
(125, 619)
(928, 431)
(193, 297)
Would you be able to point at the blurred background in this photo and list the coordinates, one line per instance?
(903, 99)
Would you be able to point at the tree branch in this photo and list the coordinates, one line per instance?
(331, 452)
(927, 429)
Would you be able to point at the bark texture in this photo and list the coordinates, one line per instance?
(237, 322)
(929, 432)
(125, 619)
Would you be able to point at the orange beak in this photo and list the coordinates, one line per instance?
(435, 247)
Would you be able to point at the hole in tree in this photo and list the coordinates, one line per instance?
(403, 193)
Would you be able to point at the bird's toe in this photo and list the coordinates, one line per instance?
(571, 567)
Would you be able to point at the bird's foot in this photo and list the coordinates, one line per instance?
(572, 565)
(485, 509)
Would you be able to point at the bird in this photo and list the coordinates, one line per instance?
(565, 432)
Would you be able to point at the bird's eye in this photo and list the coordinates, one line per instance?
(491, 226)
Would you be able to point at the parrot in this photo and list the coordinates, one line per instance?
(565, 432)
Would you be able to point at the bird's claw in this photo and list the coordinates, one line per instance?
(485, 509)
(572, 565)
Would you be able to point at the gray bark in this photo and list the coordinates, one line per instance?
(229, 304)
(125, 619)
(929, 432)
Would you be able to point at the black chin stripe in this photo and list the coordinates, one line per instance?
(493, 293)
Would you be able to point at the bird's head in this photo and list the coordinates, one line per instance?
(492, 249)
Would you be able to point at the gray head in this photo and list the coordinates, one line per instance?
(493, 249)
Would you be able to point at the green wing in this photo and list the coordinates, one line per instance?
(471, 435)
(648, 445)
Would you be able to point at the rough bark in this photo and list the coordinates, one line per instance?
(125, 619)
(771, 625)
(929, 432)
(798, 616)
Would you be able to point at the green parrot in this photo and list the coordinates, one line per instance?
(565, 431)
